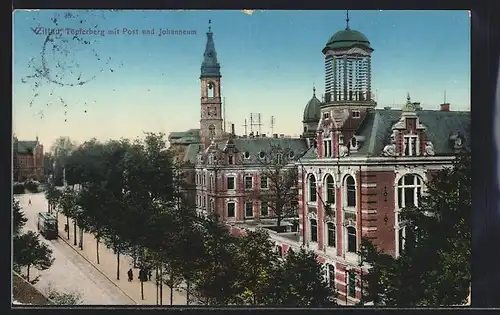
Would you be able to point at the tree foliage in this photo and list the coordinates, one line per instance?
(434, 266)
(282, 178)
(30, 251)
(18, 217)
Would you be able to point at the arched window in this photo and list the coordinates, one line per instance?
(212, 206)
(279, 251)
(314, 230)
(311, 183)
(330, 189)
(331, 234)
(350, 191)
(331, 275)
(351, 240)
(409, 190)
(211, 131)
(210, 89)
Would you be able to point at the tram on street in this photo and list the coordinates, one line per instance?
(47, 225)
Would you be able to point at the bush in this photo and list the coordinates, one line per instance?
(31, 186)
(18, 188)
(63, 298)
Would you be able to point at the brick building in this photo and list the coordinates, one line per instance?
(27, 159)
(357, 164)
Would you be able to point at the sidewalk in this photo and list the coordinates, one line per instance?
(107, 266)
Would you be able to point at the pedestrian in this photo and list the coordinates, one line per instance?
(130, 275)
(150, 274)
(29, 202)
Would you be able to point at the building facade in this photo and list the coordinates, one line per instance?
(357, 165)
(27, 160)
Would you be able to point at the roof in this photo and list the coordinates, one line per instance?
(254, 146)
(440, 125)
(185, 137)
(312, 111)
(26, 146)
(346, 39)
(210, 66)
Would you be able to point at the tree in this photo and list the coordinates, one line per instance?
(29, 252)
(68, 205)
(18, 217)
(282, 193)
(216, 282)
(256, 257)
(433, 269)
(61, 150)
(300, 281)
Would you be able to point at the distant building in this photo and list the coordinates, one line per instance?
(27, 160)
(358, 165)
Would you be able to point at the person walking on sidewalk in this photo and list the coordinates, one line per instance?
(29, 202)
(130, 275)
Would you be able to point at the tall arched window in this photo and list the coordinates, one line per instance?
(329, 189)
(314, 230)
(350, 191)
(331, 234)
(331, 275)
(409, 191)
(311, 185)
(210, 89)
(352, 246)
(211, 131)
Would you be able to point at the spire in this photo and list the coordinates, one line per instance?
(409, 107)
(408, 98)
(444, 97)
(210, 67)
(314, 90)
(347, 20)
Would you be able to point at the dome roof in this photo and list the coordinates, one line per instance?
(312, 112)
(347, 38)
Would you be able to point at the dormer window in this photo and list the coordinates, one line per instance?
(356, 114)
(230, 160)
(354, 142)
(246, 155)
(262, 154)
(279, 158)
(326, 115)
(327, 144)
(411, 147)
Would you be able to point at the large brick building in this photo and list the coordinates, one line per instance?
(357, 164)
(27, 160)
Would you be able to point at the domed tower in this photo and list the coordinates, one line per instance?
(348, 68)
(312, 114)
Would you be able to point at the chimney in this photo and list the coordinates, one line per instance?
(275, 135)
(445, 107)
(232, 129)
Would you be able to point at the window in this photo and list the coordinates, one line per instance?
(314, 230)
(331, 234)
(411, 145)
(351, 284)
(248, 209)
(328, 147)
(211, 181)
(279, 158)
(263, 182)
(330, 189)
(246, 155)
(211, 207)
(203, 202)
(264, 209)
(401, 239)
(248, 182)
(311, 182)
(351, 240)
(409, 191)
(262, 155)
(204, 179)
(331, 275)
(350, 188)
(230, 182)
(231, 209)
(354, 143)
(230, 160)
(326, 115)
(356, 114)
(341, 139)
(279, 251)
(211, 132)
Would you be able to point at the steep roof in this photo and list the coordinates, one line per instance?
(26, 146)
(254, 146)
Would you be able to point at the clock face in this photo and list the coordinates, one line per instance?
(212, 111)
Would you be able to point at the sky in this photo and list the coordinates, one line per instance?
(121, 85)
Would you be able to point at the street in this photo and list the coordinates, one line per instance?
(70, 271)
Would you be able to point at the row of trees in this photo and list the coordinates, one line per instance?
(131, 199)
(434, 267)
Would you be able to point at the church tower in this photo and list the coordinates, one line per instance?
(211, 121)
